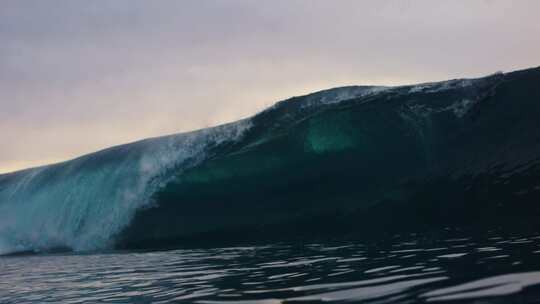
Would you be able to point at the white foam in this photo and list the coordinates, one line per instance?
(338, 95)
(458, 108)
(433, 87)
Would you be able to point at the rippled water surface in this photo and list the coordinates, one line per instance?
(410, 269)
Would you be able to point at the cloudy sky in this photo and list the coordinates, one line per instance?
(78, 76)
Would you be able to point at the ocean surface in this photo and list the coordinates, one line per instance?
(453, 267)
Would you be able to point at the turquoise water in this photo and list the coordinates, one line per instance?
(403, 269)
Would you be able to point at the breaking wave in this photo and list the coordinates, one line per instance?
(345, 161)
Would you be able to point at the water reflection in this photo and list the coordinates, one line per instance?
(407, 269)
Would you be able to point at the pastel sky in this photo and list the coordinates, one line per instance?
(77, 76)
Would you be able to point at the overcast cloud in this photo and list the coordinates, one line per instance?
(78, 76)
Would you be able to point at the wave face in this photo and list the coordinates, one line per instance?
(351, 161)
